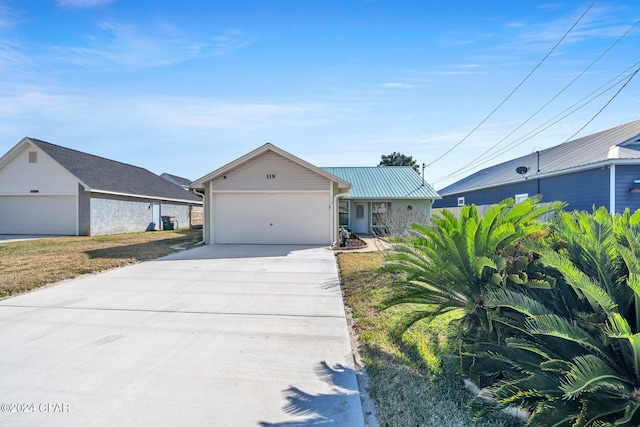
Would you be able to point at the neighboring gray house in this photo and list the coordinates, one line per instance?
(48, 189)
(602, 169)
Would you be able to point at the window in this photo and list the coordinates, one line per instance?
(359, 211)
(521, 197)
(33, 157)
(460, 201)
(343, 213)
(378, 209)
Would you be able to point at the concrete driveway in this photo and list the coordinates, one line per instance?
(220, 335)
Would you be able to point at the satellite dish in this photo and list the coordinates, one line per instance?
(522, 170)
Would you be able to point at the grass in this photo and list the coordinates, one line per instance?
(408, 381)
(29, 264)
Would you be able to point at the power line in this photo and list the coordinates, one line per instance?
(552, 99)
(605, 105)
(546, 125)
(516, 88)
(481, 157)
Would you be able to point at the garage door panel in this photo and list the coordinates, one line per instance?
(275, 218)
(38, 215)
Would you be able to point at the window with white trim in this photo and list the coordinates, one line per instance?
(521, 197)
(461, 201)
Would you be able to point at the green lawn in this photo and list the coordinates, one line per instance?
(408, 382)
(26, 265)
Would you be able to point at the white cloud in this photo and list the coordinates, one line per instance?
(157, 45)
(8, 18)
(396, 85)
(82, 4)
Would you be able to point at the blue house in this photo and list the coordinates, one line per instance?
(602, 169)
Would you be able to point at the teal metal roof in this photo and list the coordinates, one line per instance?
(384, 182)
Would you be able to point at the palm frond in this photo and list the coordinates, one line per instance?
(518, 301)
(598, 297)
(568, 331)
(590, 374)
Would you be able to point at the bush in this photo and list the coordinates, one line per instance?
(549, 314)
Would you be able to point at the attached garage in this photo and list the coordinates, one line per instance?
(270, 197)
(38, 215)
(272, 218)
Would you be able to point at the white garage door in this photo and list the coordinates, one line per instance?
(278, 218)
(38, 215)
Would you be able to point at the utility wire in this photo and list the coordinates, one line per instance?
(481, 156)
(526, 137)
(543, 127)
(549, 123)
(516, 88)
(605, 105)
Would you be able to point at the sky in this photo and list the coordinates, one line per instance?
(187, 87)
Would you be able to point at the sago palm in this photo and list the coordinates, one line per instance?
(450, 266)
(574, 356)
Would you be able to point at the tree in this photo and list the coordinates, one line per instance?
(398, 159)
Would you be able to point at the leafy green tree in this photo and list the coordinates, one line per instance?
(398, 159)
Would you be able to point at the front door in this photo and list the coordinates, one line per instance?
(361, 221)
(155, 215)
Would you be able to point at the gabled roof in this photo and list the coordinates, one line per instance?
(617, 145)
(384, 182)
(199, 183)
(108, 176)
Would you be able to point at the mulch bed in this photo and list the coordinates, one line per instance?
(354, 242)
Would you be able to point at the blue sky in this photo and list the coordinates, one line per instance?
(186, 87)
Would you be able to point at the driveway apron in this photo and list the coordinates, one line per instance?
(221, 335)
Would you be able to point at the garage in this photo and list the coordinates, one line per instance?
(269, 196)
(38, 215)
(272, 218)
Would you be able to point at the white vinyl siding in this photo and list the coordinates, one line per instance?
(46, 177)
(270, 172)
(38, 215)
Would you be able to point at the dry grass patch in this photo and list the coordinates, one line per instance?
(29, 264)
(408, 382)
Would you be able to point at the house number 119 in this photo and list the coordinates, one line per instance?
(271, 176)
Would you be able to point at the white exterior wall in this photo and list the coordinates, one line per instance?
(37, 198)
(255, 176)
(46, 176)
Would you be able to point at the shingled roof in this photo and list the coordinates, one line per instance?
(109, 176)
(616, 145)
